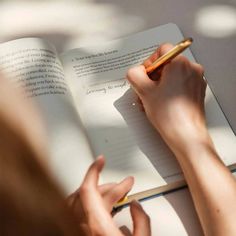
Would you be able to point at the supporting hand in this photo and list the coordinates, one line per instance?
(92, 205)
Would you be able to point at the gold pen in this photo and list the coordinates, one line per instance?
(165, 189)
(164, 59)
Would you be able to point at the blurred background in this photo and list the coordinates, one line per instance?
(75, 23)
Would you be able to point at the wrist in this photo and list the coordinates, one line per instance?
(186, 139)
(192, 148)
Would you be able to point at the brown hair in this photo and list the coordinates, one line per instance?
(30, 201)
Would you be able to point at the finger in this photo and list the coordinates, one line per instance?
(164, 48)
(139, 79)
(161, 50)
(118, 192)
(92, 175)
(89, 194)
(104, 188)
(200, 73)
(92, 203)
(151, 58)
(157, 73)
(199, 68)
(88, 191)
(140, 104)
(141, 220)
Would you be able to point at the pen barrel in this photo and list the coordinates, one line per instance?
(167, 57)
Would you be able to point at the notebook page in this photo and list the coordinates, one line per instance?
(115, 125)
(121, 131)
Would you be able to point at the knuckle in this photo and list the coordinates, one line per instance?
(198, 68)
(182, 62)
(164, 48)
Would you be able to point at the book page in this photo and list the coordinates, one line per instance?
(115, 125)
(34, 65)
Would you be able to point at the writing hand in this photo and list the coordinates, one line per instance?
(175, 106)
(175, 103)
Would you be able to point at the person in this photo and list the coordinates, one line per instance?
(31, 203)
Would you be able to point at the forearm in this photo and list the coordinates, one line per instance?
(211, 184)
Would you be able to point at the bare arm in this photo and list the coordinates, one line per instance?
(175, 107)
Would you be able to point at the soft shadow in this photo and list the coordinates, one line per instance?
(182, 203)
(212, 107)
(125, 230)
(145, 136)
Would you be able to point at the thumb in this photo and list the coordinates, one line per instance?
(139, 79)
(141, 221)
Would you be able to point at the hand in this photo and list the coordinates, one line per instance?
(92, 205)
(175, 106)
(175, 103)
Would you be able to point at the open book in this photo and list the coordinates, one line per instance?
(90, 109)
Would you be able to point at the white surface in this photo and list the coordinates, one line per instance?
(172, 214)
